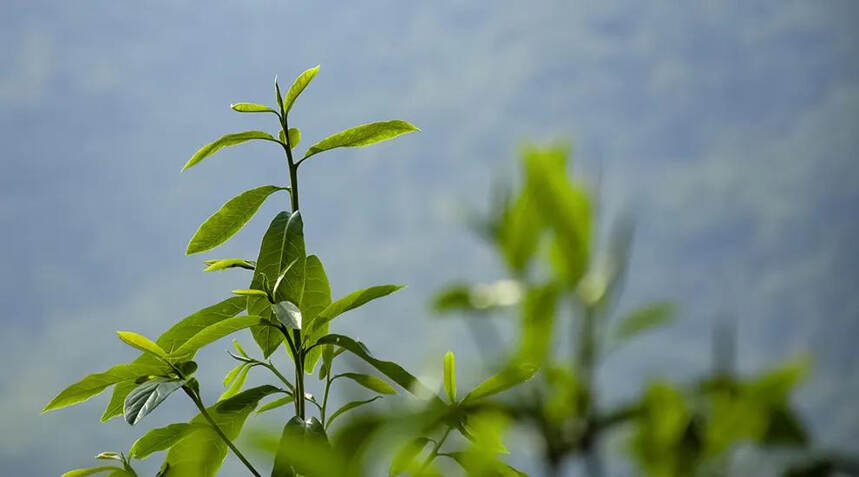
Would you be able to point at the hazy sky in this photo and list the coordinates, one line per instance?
(729, 132)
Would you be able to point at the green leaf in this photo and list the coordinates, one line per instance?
(250, 292)
(351, 301)
(229, 219)
(510, 376)
(215, 332)
(251, 108)
(142, 343)
(564, 206)
(146, 397)
(643, 319)
(96, 383)
(317, 296)
(348, 407)
(89, 471)
(231, 376)
(109, 456)
(276, 404)
(363, 135)
(294, 137)
(298, 86)
(161, 439)
(172, 339)
(282, 244)
(226, 141)
(237, 384)
(225, 263)
(202, 451)
(390, 369)
(304, 450)
(372, 383)
(288, 313)
(450, 376)
(404, 459)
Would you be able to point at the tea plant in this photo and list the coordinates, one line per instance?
(288, 306)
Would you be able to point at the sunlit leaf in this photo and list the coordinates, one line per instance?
(89, 471)
(226, 141)
(229, 219)
(109, 456)
(146, 397)
(363, 135)
(231, 376)
(288, 313)
(215, 332)
(251, 108)
(510, 376)
(172, 339)
(450, 376)
(316, 297)
(225, 263)
(237, 384)
(250, 292)
(294, 137)
(96, 383)
(352, 301)
(298, 86)
(348, 407)
(372, 383)
(161, 439)
(142, 343)
(276, 404)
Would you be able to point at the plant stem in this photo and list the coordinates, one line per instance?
(279, 376)
(432, 455)
(325, 397)
(199, 403)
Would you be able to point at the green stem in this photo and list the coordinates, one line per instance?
(279, 376)
(434, 453)
(199, 403)
(325, 397)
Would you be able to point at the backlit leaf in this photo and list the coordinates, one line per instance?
(96, 383)
(372, 383)
(161, 439)
(226, 141)
(363, 135)
(251, 108)
(352, 301)
(215, 332)
(298, 86)
(225, 263)
(276, 404)
(89, 471)
(348, 407)
(504, 380)
(229, 219)
(317, 296)
(142, 343)
(450, 376)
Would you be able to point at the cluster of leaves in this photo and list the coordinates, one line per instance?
(288, 302)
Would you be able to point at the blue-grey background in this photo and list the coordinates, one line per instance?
(729, 130)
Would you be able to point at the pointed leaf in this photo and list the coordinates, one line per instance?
(89, 471)
(202, 451)
(282, 245)
(96, 383)
(226, 141)
(231, 376)
(276, 404)
(142, 343)
(146, 397)
(372, 383)
(229, 219)
(288, 314)
(237, 384)
(298, 86)
(317, 296)
(250, 292)
(225, 263)
(352, 301)
(363, 135)
(251, 108)
(390, 369)
(506, 379)
(215, 332)
(161, 439)
(450, 376)
(643, 319)
(348, 407)
(172, 339)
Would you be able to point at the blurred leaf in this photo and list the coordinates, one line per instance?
(565, 397)
(643, 319)
(251, 108)
(537, 322)
(96, 383)
(513, 374)
(304, 450)
(229, 219)
(215, 332)
(565, 208)
(352, 301)
(226, 141)
(276, 404)
(161, 439)
(225, 263)
(490, 468)
(518, 231)
(282, 245)
(298, 86)
(372, 383)
(661, 426)
(141, 343)
(348, 407)
(450, 376)
(202, 451)
(392, 370)
(404, 459)
(146, 397)
(172, 339)
(363, 135)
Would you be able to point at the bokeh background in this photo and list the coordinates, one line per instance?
(728, 130)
